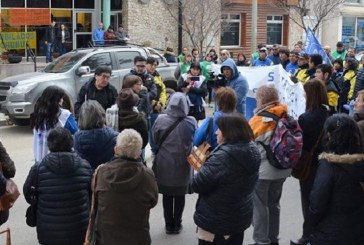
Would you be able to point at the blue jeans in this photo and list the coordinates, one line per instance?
(266, 210)
(151, 120)
(49, 54)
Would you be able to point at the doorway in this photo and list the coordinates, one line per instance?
(82, 28)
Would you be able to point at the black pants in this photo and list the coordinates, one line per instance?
(4, 215)
(236, 239)
(173, 208)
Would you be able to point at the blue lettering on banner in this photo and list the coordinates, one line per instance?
(271, 76)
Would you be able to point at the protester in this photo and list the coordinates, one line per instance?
(323, 73)
(214, 56)
(50, 41)
(359, 83)
(170, 164)
(350, 53)
(338, 69)
(311, 122)
(98, 35)
(314, 61)
(183, 66)
(268, 189)
(160, 102)
(284, 57)
(170, 55)
(255, 55)
(195, 55)
(274, 57)
(336, 209)
(358, 114)
(194, 85)
(224, 55)
(183, 54)
(347, 84)
(292, 66)
(97, 88)
(225, 99)
(128, 118)
(136, 84)
(63, 192)
(241, 61)
(301, 73)
(94, 141)
(237, 82)
(126, 191)
(48, 113)
(327, 50)
(7, 171)
(340, 52)
(225, 184)
(262, 60)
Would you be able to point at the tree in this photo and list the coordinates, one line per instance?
(201, 20)
(317, 11)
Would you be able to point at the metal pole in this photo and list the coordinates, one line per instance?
(254, 25)
(180, 26)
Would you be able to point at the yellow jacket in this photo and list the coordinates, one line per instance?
(161, 90)
(350, 75)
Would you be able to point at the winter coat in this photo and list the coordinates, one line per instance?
(161, 90)
(332, 95)
(8, 168)
(40, 145)
(144, 103)
(64, 181)
(274, 58)
(98, 36)
(238, 83)
(106, 96)
(170, 164)
(350, 75)
(260, 62)
(148, 82)
(359, 83)
(337, 200)
(263, 128)
(225, 185)
(51, 34)
(126, 191)
(136, 121)
(202, 134)
(96, 145)
(359, 118)
(291, 68)
(197, 91)
(301, 74)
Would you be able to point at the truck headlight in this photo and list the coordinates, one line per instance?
(23, 89)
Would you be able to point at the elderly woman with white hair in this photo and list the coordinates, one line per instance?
(126, 191)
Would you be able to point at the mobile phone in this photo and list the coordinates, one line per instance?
(195, 78)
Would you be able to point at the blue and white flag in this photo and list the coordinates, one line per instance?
(313, 46)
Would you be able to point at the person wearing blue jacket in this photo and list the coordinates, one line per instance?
(237, 82)
(225, 98)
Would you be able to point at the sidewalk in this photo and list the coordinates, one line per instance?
(3, 120)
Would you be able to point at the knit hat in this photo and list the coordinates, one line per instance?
(127, 99)
(267, 94)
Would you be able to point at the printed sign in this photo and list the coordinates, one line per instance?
(33, 17)
(17, 40)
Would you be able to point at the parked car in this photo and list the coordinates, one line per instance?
(18, 94)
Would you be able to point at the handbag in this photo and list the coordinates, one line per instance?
(11, 195)
(31, 213)
(303, 168)
(90, 238)
(198, 157)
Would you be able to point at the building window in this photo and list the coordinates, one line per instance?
(12, 3)
(353, 32)
(37, 3)
(61, 4)
(353, 1)
(84, 4)
(274, 29)
(230, 33)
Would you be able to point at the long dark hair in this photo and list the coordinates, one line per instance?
(342, 135)
(316, 94)
(46, 110)
(234, 128)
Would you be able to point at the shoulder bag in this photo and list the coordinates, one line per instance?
(168, 132)
(303, 169)
(31, 213)
(198, 157)
(11, 195)
(90, 238)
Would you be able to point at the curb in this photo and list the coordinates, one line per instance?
(4, 123)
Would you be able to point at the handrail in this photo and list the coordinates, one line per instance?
(32, 55)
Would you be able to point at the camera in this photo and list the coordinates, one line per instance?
(216, 81)
(195, 78)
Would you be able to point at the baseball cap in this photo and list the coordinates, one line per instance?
(264, 49)
(303, 55)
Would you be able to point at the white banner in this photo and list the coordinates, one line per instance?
(291, 94)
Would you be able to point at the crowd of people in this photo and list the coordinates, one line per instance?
(110, 37)
(100, 151)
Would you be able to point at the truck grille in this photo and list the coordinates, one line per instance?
(4, 87)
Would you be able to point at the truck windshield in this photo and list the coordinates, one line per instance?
(64, 63)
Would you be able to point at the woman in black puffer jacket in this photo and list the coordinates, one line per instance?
(64, 182)
(226, 182)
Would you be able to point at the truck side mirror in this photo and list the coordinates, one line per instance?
(82, 70)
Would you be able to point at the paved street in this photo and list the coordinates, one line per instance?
(18, 141)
